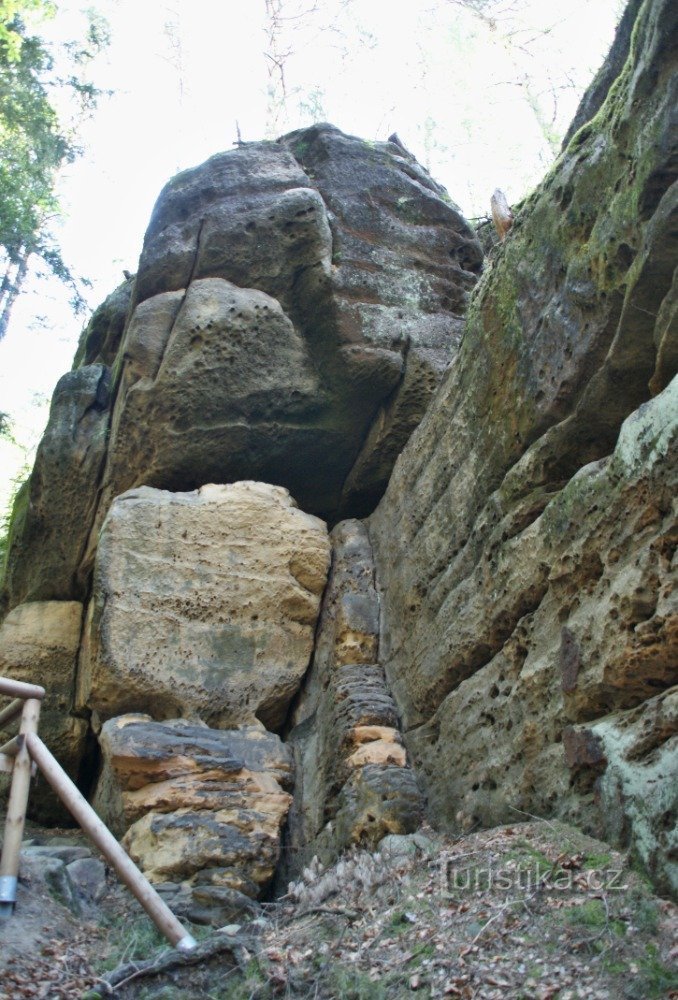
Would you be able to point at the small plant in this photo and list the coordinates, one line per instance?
(351, 984)
(597, 860)
(131, 939)
(655, 979)
(589, 914)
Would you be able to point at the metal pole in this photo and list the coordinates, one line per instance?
(127, 871)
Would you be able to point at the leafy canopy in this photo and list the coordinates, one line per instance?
(34, 142)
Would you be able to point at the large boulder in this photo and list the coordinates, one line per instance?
(295, 306)
(198, 807)
(204, 605)
(295, 294)
(525, 575)
(39, 645)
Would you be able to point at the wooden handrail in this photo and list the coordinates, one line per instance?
(16, 807)
(12, 711)
(19, 757)
(11, 747)
(127, 871)
(17, 689)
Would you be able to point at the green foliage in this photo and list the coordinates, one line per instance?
(590, 914)
(18, 494)
(655, 979)
(10, 38)
(130, 939)
(35, 143)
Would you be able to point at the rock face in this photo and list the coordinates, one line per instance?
(199, 807)
(295, 307)
(204, 605)
(502, 633)
(631, 760)
(39, 645)
(101, 337)
(289, 297)
(55, 507)
(526, 579)
(353, 783)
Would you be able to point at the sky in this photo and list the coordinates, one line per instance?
(184, 75)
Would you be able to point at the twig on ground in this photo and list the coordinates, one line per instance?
(172, 959)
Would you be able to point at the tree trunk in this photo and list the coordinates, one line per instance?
(11, 289)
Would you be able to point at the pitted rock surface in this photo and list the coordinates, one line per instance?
(198, 807)
(204, 605)
(525, 547)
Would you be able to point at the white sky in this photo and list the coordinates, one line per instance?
(427, 69)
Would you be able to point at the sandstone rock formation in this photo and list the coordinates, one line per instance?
(55, 507)
(295, 307)
(526, 579)
(631, 761)
(500, 636)
(353, 783)
(200, 808)
(39, 645)
(100, 340)
(204, 605)
(303, 274)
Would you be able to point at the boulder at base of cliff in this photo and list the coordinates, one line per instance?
(204, 605)
(202, 808)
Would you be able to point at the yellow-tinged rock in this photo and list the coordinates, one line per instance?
(378, 752)
(39, 645)
(204, 604)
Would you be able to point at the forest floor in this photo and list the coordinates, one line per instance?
(534, 910)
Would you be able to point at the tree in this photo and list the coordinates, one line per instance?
(35, 142)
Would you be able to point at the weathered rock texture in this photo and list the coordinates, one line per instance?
(39, 645)
(204, 605)
(353, 782)
(526, 579)
(295, 307)
(631, 760)
(100, 340)
(281, 291)
(198, 807)
(55, 507)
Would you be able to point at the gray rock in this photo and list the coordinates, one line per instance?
(217, 905)
(521, 546)
(353, 785)
(55, 874)
(54, 510)
(101, 337)
(304, 319)
(63, 853)
(88, 876)
(406, 845)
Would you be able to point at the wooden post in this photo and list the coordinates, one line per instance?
(12, 747)
(127, 871)
(17, 689)
(11, 712)
(16, 809)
